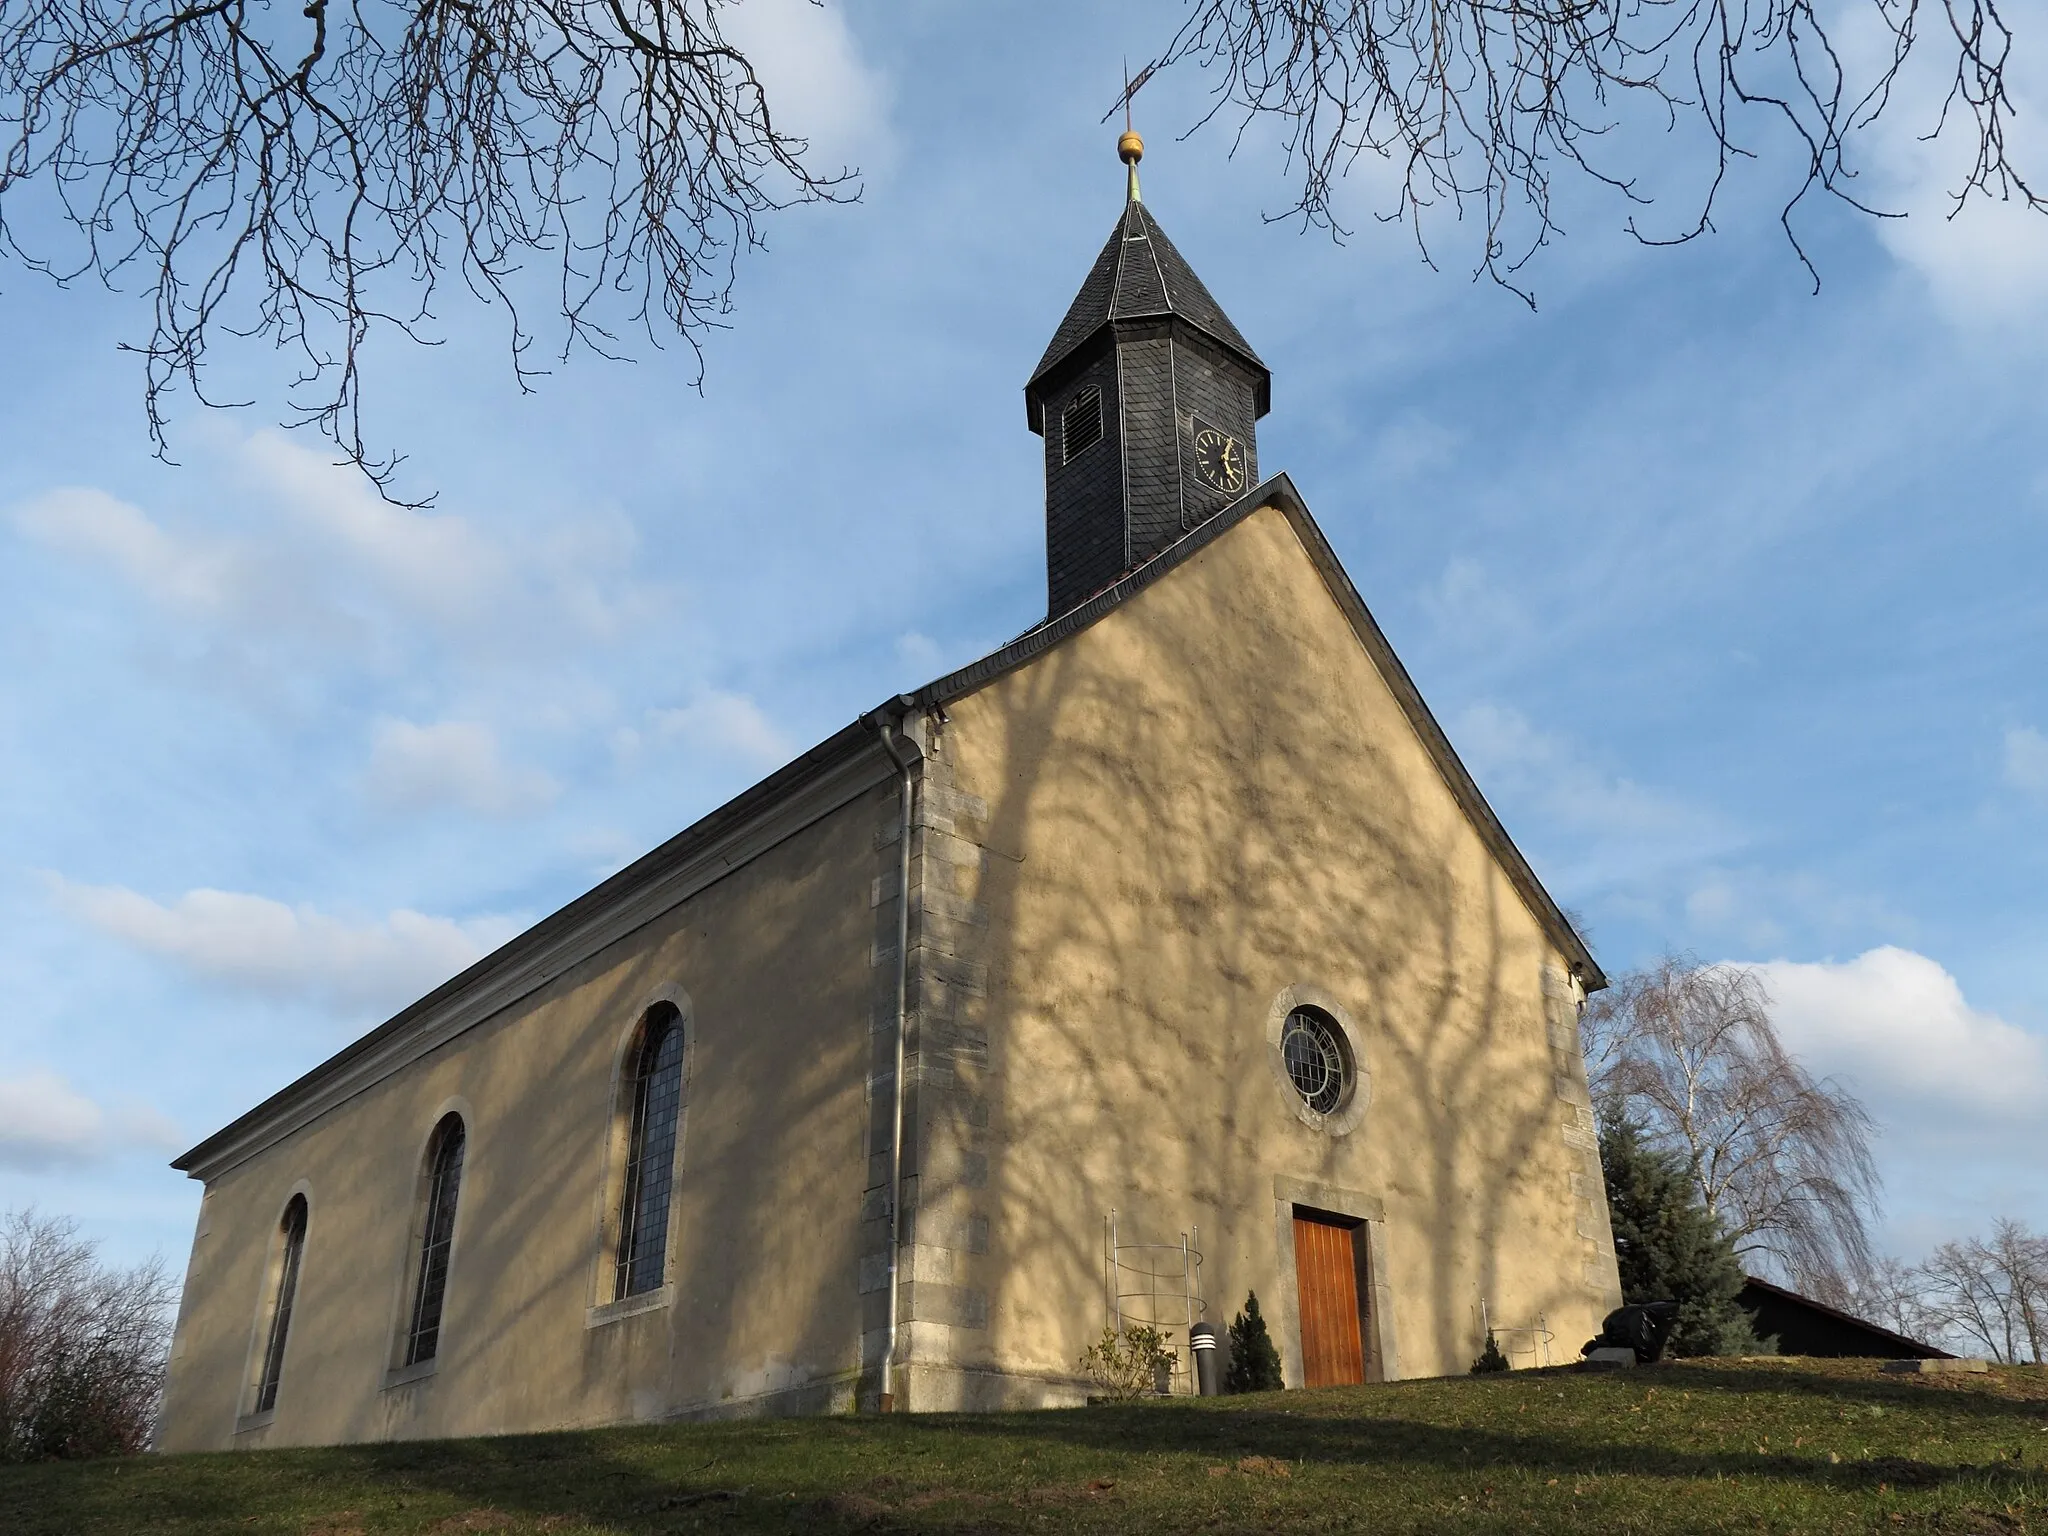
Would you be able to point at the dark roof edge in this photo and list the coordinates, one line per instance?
(643, 875)
(1279, 492)
(1052, 365)
(1922, 1350)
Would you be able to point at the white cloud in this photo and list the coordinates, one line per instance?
(1507, 753)
(45, 1122)
(819, 86)
(723, 722)
(1471, 608)
(1762, 907)
(435, 564)
(1987, 264)
(2026, 760)
(1412, 446)
(256, 944)
(918, 650)
(450, 763)
(1898, 1025)
(343, 576)
(88, 523)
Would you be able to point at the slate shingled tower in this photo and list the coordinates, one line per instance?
(1148, 400)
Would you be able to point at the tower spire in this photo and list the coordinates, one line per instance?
(1148, 399)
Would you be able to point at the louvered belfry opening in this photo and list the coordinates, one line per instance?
(1146, 350)
(1081, 424)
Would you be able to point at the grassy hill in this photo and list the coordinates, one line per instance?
(1788, 1445)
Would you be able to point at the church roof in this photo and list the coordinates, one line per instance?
(846, 764)
(1140, 275)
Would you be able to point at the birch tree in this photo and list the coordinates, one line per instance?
(1781, 1158)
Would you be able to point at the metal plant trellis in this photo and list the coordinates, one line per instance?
(1158, 1286)
(1533, 1341)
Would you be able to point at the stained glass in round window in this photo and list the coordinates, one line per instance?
(1318, 1063)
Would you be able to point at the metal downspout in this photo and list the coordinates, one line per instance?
(892, 735)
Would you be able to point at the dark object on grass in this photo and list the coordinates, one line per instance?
(1642, 1327)
(1254, 1362)
(1490, 1358)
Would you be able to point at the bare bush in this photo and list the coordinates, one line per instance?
(82, 1345)
(1993, 1295)
(301, 177)
(1129, 1364)
(1478, 105)
(1782, 1159)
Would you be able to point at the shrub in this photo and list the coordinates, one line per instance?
(1127, 1365)
(1254, 1362)
(82, 1344)
(1490, 1358)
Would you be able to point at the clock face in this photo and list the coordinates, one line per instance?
(1219, 458)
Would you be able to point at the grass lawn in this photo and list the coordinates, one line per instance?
(1788, 1445)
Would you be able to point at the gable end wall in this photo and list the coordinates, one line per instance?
(1208, 797)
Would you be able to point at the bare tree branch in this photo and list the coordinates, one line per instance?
(305, 180)
(1781, 1158)
(1892, 1294)
(1477, 104)
(82, 1345)
(1994, 1295)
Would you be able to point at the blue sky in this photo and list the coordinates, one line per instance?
(1728, 592)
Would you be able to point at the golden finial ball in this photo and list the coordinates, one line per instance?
(1130, 148)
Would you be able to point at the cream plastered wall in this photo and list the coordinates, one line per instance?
(1208, 797)
(773, 965)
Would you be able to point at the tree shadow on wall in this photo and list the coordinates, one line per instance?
(1177, 823)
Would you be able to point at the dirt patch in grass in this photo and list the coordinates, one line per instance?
(1264, 1466)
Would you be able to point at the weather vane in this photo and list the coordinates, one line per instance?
(1131, 88)
(1130, 148)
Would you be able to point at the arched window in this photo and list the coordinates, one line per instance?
(292, 1232)
(444, 1184)
(651, 1153)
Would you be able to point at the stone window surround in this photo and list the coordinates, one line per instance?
(1351, 1113)
(266, 1297)
(603, 1307)
(1369, 1210)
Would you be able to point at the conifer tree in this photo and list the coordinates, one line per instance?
(1490, 1358)
(1254, 1362)
(1669, 1247)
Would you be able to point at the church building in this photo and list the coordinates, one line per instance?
(1164, 955)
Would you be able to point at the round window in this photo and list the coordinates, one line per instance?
(1318, 1060)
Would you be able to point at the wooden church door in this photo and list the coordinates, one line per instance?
(1327, 1259)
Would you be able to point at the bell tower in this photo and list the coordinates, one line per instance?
(1148, 400)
